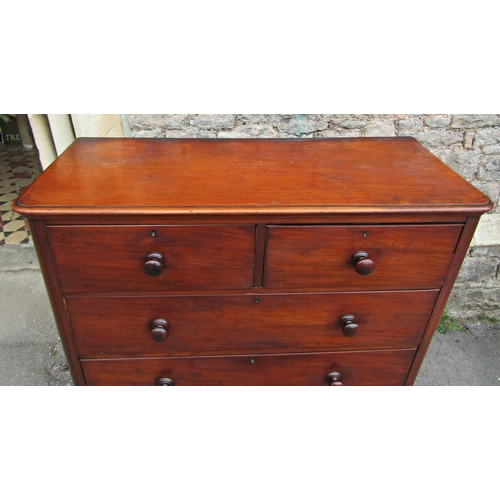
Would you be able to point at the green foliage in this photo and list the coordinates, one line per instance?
(487, 319)
(447, 322)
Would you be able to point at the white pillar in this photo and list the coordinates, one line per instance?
(62, 131)
(98, 125)
(43, 139)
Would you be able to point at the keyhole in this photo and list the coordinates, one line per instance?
(153, 233)
(365, 233)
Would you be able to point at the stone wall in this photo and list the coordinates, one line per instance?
(470, 144)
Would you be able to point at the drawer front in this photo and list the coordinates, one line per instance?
(233, 324)
(355, 368)
(396, 257)
(116, 258)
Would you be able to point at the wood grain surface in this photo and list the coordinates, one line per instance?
(112, 258)
(357, 368)
(233, 324)
(251, 176)
(406, 256)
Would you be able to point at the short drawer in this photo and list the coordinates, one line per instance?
(368, 257)
(233, 324)
(355, 368)
(153, 258)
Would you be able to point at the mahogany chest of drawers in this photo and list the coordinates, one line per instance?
(249, 262)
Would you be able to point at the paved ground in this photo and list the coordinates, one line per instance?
(31, 353)
(469, 356)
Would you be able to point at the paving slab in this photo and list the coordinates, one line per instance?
(18, 258)
(469, 356)
(30, 347)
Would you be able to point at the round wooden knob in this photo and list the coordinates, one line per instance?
(159, 329)
(165, 381)
(362, 263)
(154, 264)
(333, 378)
(349, 328)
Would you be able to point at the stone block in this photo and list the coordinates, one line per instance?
(438, 121)
(487, 232)
(340, 133)
(176, 122)
(351, 124)
(301, 126)
(285, 135)
(437, 138)
(464, 162)
(251, 118)
(138, 122)
(248, 131)
(478, 269)
(490, 168)
(468, 140)
(148, 133)
(212, 122)
(488, 136)
(410, 124)
(190, 133)
(152, 122)
(491, 150)
(474, 121)
(380, 129)
(334, 119)
(262, 119)
(472, 301)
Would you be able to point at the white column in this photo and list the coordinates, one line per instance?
(62, 131)
(98, 125)
(43, 139)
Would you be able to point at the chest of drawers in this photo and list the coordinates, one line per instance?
(249, 262)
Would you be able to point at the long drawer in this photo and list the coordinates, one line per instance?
(230, 324)
(382, 257)
(153, 258)
(355, 368)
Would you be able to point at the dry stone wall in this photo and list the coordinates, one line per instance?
(470, 144)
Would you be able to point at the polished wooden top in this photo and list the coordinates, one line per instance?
(248, 176)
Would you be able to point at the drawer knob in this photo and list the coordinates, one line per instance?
(349, 328)
(362, 263)
(154, 264)
(159, 329)
(333, 378)
(165, 381)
